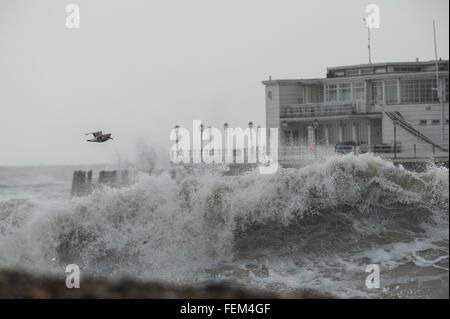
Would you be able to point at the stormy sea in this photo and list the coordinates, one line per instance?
(316, 227)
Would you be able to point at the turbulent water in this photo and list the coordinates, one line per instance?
(315, 227)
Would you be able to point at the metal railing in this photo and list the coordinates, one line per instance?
(218, 155)
(417, 151)
(317, 109)
(407, 152)
(309, 153)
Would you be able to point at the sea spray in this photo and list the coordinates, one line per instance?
(318, 226)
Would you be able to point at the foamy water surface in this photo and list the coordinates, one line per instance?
(314, 227)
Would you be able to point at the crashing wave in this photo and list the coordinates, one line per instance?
(179, 229)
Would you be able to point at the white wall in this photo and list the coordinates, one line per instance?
(413, 114)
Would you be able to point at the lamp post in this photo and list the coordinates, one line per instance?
(211, 150)
(225, 147)
(257, 142)
(395, 138)
(315, 125)
(284, 124)
(201, 142)
(250, 144)
(176, 139)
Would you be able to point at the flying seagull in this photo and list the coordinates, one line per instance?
(99, 137)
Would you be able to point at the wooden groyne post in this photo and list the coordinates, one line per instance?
(82, 182)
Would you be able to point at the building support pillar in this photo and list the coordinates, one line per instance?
(369, 134)
(354, 134)
(327, 134)
(341, 133)
(311, 135)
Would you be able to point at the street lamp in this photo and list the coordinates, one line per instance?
(284, 124)
(315, 125)
(395, 137)
(176, 138)
(225, 146)
(201, 142)
(258, 142)
(211, 151)
(210, 133)
(250, 143)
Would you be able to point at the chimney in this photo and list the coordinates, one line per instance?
(417, 59)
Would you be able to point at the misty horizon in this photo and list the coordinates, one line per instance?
(137, 69)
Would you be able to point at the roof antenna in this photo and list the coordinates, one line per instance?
(438, 91)
(368, 40)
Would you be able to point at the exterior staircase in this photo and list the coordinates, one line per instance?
(396, 116)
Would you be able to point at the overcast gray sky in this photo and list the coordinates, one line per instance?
(137, 68)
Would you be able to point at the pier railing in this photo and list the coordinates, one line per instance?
(317, 109)
(306, 153)
(401, 152)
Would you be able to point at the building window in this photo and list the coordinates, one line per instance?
(269, 94)
(300, 98)
(419, 91)
(435, 122)
(320, 98)
(391, 92)
(410, 91)
(406, 69)
(377, 92)
(331, 93)
(345, 92)
(352, 72)
(423, 122)
(428, 91)
(359, 91)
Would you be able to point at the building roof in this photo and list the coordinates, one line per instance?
(374, 70)
(293, 81)
(372, 65)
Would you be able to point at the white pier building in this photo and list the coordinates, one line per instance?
(369, 106)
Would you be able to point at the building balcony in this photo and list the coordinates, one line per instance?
(320, 109)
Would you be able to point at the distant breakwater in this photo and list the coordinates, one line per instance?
(83, 184)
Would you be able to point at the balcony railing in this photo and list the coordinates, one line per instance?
(317, 109)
